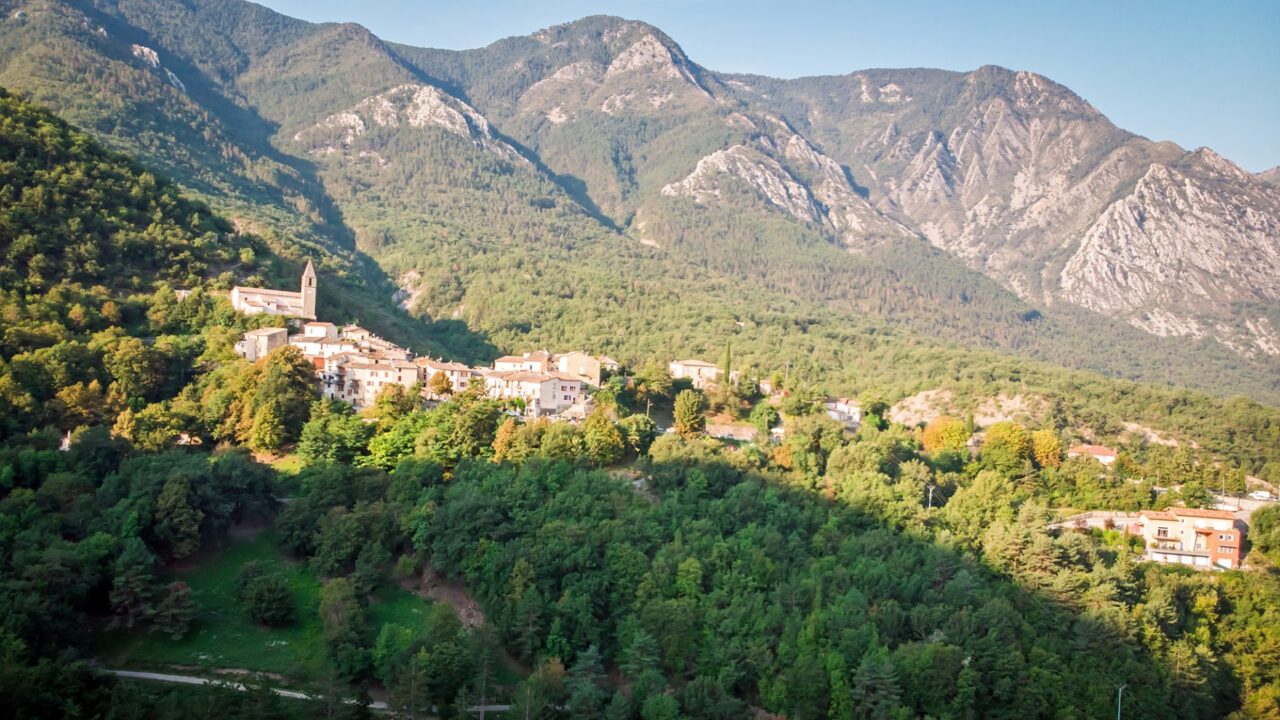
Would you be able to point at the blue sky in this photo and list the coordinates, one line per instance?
(1197, 73)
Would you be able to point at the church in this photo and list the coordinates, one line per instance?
(301, 304)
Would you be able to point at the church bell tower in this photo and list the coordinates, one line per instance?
(309, 292)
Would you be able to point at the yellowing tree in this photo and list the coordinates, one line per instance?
(1046, 448)
(945, 433)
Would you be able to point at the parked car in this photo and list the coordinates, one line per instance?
(1259, 495)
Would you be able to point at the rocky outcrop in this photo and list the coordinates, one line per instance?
(757, 171)
(409, 106)
(1178, 252)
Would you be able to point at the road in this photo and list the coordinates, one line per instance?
(292, 694)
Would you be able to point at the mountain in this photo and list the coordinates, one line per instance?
(546, 188)
(1013, 174)
(1270, 176)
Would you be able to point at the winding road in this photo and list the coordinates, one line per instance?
(292, 694)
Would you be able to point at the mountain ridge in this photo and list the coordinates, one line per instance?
(613, 143)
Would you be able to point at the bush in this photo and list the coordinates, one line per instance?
(265, 597)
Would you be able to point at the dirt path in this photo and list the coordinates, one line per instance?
(291, 694)
(434, 586)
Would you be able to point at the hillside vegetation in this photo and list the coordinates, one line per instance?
(475, 236)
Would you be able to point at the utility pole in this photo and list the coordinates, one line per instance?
(1119, 694)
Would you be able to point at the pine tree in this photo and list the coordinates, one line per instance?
(586, 686)
(176, 521)
(689, 420)
(133, 586)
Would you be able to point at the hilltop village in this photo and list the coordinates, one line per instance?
(354, 366)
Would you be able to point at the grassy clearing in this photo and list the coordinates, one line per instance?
(224, 636)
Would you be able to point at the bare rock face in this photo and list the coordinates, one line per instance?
(1174, 255)
(757, 171)
(411, 106)
(1025, 181)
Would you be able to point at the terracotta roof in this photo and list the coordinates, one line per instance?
(267, 291)
(694, 363)
(1197, 512)
(520, 376)
(316, 323)
(1157, 515)
(1094, 450)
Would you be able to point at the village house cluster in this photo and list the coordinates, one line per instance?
(354, 365)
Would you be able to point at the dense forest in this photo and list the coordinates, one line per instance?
(627, 574)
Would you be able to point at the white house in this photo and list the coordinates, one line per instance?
(539, 361)
(259, 343)
(845, 411)
(543, 394)
(1101, 453)
(254, 301)
(701, 374)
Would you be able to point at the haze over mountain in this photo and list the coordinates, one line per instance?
(994, 208)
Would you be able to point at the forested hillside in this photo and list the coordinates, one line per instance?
(879, 574)
(227, 98)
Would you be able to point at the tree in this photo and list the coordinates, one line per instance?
(268, 430)
(874, 408)
(944, 434)
(133, 585)
(1046, 448)
(177, 523)
(689, 420)
(133, 366)
(764, 417)
(343, 621)
(175, 612)
(653, 384)
(394, 402)
(638, 431)
(267, 599)
(502, 439)
(585, 685)
(333, 434)
(602, 440)
(1006, 447)
(440, 386)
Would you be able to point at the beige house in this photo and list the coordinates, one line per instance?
(591, 368)
(360, 379)
(539, 361)
(1203, 539)
(459, 375)
(543, 394)
(259, 343)
(255, 301)
(701, 374)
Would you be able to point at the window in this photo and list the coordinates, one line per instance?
(1162, 532)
